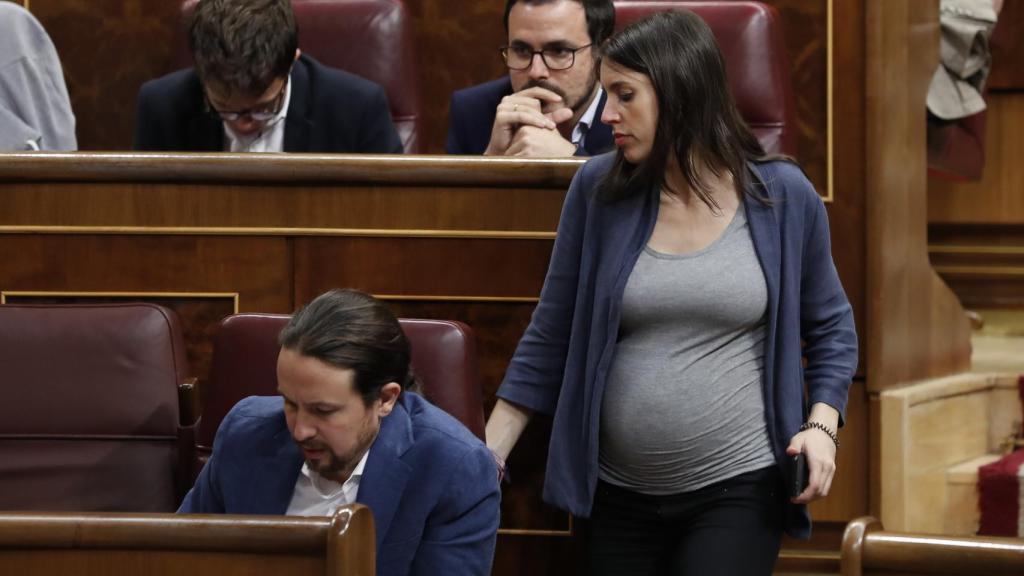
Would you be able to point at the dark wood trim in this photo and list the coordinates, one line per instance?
(131, 531)
(352, 169)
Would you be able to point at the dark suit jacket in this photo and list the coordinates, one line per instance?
(330, 111)
(431, 484)
(471, 117)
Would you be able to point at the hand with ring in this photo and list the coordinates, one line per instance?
(525, 108)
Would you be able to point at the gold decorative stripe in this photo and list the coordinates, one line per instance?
(533, 532)
(293, 168)
(74, 294)
(447, 298)
(270, 231)
(809, 554)
(981, 270)
(518, 532)
(973, 249)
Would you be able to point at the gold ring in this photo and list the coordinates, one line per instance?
(515, 107)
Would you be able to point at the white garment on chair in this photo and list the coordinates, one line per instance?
(957, 85)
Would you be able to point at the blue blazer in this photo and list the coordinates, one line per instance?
(471, 117)
(330, 111)
(431, 485)
(563, 358)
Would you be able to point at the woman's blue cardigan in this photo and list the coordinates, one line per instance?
(561, 363)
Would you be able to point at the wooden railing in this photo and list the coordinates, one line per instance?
(869, 549)
(197, 545)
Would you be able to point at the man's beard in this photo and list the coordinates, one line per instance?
(579, 103)
(338, 467)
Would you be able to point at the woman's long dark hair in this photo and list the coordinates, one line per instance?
(697, 119)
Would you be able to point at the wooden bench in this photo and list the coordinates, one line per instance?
(869, 549)
(198, 545)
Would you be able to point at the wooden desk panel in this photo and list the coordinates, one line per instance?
(202, 278)
(294, 194)
(467, 269)
(158, 544)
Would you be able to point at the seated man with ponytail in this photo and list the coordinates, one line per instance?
(346, 429)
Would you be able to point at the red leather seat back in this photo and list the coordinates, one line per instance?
(245, 350)
(90, 415)
(369, 38)
(751, 42)
(444, 360)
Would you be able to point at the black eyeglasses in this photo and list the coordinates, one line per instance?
(261, 113)
(521, 57)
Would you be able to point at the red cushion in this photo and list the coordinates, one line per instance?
(89, 420)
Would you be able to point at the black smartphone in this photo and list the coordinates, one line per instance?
(797, 475)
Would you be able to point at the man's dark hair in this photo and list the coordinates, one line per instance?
(351, 329)
(698, 121)
(600, 16)
(243, 45)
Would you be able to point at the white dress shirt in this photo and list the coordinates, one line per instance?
(579, 132)
(315, 495)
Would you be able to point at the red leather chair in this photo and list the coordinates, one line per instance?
(369, 38)
(90, 417)
(244, 364)
(751, 42)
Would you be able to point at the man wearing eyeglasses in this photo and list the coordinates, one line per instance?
(252, 90)
(550, 103)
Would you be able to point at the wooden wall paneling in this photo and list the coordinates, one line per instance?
(982, 263)
(805, 32)
(997, 197)
(982, 288)
(917, 326)
(431, 268)
(278, 209)
(847, 211)
(458, 48)
(490, 284)
(526, 554)
(201, 274)
(108, 48)
(975, 228)
(256, 268)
